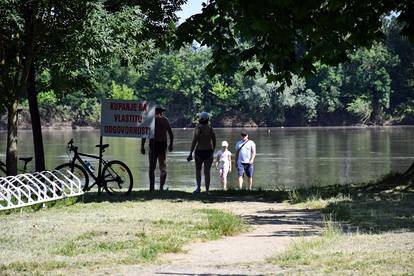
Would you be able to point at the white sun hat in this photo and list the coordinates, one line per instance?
(224, 144)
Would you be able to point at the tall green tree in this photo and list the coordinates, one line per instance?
(367, 75)
(179, 81)
(327, 85)
(63, 36)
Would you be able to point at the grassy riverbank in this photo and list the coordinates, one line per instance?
(369, 231)
(67, 239)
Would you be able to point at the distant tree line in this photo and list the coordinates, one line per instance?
(280, 63)
(375, 86)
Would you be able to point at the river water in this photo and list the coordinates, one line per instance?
(286, 157)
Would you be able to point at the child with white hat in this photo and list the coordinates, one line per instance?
(223, 163)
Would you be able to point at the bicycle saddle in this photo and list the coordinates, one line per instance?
(26, 159)
(104, 146)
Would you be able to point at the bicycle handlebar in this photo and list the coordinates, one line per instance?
(70, 146)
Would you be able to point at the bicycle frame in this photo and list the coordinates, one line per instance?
(113, 175)
(97, 178)
(3, 167)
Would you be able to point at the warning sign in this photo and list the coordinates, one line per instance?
(120, 118)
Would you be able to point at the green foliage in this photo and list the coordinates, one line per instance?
(48, 104)
(300, 102)
(360, 107)
(327, 84)
(376, 84)
(287, 37)
(83, 110)
(105, 35)
(223, 91)
(405, 111)
(47, 99)
(179, 81)
(122, 92)
(258, 99)
(368, 75)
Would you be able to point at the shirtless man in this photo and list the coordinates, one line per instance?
(158, 148)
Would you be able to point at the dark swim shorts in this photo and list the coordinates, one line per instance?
(245, 168)
(204, 154)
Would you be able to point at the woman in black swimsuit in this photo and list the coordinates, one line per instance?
(204, 143)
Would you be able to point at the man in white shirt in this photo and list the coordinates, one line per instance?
(245, 155)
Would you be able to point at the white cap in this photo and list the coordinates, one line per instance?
(203, 115)
(224, 144)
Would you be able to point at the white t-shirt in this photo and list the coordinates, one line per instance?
(224, 159)
(246, 151)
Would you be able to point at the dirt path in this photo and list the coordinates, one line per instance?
(275, 226)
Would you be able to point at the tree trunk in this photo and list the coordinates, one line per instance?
(35, 118)
(11, 152)
(26, 56)
(377, 110)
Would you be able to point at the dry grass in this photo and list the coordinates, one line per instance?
(63, 240)
(368, 233)
(351, 254)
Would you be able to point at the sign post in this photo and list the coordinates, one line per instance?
(120, 118)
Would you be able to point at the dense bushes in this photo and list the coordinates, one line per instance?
(375, 86)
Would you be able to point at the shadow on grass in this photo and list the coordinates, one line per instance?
(177, 196)
(376, 212)
(290, 221)
(384, 205)
(377, 206)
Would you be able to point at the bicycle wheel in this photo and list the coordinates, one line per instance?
(117, 178)
(77, 170)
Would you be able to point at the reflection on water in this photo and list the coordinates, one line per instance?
(286, 157)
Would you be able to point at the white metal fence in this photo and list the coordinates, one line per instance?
(33, 188)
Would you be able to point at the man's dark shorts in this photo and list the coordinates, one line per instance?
(245, 168)
(158, 151)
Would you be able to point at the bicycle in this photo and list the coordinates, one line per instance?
(3, 166)
(114, 176)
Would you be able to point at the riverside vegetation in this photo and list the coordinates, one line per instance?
(375, 86)
(369, 230)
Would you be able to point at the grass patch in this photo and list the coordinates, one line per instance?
(302, 251)
(370, 231)
(337, 253)
(40, 206)
(108, 233)
(223, 224)
(378, 212)
(373, 207)
(315, 201)
(29, 267)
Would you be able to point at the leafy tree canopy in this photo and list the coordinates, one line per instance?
(68, 36)
(289, 36)
(160, 15)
